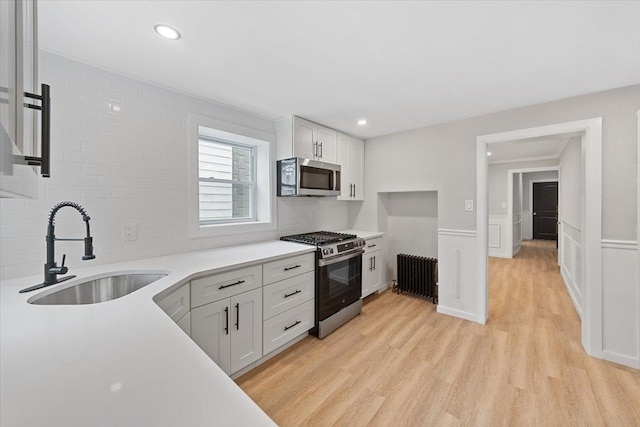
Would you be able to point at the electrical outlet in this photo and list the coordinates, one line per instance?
(129, 232)
(468, 205)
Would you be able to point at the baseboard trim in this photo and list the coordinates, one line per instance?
(457, 313)
(622, 359)
(567, 285)
(498, 255)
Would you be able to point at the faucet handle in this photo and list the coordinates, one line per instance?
(60, 270)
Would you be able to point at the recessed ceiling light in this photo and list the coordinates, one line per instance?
(167, 32)
(362, 122)
(488, 153)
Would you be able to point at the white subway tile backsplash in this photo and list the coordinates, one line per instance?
(127, 166)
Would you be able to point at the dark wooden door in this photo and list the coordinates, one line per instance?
(545, 210)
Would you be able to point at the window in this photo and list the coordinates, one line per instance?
(226, 175)
(232, 182)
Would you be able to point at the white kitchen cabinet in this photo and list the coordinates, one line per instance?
(285, 326)
(281, 296)
(288, 267)
(350, 156)
(19, 126)
(177, 304)
(373, 266)
(230, 330)
(298, 137)
(223, 285)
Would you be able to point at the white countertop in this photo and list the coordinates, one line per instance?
(122, 362)
(364, 234)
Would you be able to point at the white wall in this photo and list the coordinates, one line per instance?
(571, 178)
(412, 225)
(129, 166)
(497, 180)
(527, 209)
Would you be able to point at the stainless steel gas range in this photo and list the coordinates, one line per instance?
(338, 277)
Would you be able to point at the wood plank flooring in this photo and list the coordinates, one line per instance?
(401, 363)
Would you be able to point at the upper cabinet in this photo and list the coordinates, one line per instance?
(351, 159)
(298, 137)
(24, 103)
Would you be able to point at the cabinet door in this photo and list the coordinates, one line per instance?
(246, 329)
(211, 327)
(342, 158)
(356, 168)
(368, 275)
(378, 269)
(185, 323)
(327, 140)
(304, 138)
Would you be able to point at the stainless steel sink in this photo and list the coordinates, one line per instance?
(99, 290)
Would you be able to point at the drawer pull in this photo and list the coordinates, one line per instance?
(291, 268)
(372, 246)
(286, 328)
(231, 284)
(226, 327)
(292, 293)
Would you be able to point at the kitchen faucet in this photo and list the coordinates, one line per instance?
(51, 269)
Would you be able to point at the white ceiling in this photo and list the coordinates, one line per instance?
(400, 65)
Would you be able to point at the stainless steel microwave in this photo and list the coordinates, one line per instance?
(304, 177)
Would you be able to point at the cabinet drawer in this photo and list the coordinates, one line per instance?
(219, 286)
(286, 294)
(286, 326)
(288, 267)
(177, 304)
(372, 245)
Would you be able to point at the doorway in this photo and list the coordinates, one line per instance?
(591, 219)
(545, 211)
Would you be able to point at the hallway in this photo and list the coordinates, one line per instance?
(402, 363)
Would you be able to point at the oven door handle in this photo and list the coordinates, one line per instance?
(339, 258)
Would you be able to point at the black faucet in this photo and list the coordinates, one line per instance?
(51, 269)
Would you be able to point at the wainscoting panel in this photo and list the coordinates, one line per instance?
(527, 225)
(570, 263)
(517, 233)
(620, 296)
(457, 273)
(498, 246)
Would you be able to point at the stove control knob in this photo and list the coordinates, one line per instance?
(331, 250)
(325, 251)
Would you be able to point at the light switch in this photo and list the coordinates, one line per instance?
(504, 205)
(468, 205)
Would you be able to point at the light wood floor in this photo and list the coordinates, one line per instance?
(401, 363)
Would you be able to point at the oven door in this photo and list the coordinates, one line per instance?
(339, 283)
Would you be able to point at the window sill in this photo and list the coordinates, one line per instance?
(231, 228)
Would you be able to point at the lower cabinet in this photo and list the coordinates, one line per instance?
(283, 327)
(373, 266)
(185, 323)
(230, 330)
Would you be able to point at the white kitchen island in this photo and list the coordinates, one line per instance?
(122, 362)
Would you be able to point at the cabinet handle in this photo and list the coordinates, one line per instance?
(292, 293)
(354, 190)
(291, 268)
(286, 328)
(350, 190)
(231, 284)
(374, 263)
(321, 150)
(45, 130)
(226, 327)
(315, 149)
(237, 316)
(370, 263)
(372, 246)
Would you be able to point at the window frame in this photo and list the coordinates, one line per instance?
(263, 138)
